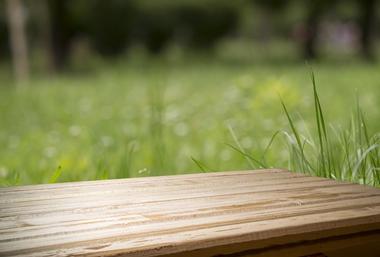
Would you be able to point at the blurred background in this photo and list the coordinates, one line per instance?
(95, 89)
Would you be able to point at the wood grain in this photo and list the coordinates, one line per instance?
(225, 213)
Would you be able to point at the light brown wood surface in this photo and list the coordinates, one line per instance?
(242, 213)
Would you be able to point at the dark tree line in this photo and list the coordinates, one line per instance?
(315, 12)
(111, 26)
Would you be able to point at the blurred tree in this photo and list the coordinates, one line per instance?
(275, 5)
(154, 26)
(367, 22)
(115, 24)
(315, 9)
(40, 31)
(16, 23)
(203, 26)
(269, 9)
(109, 24)
(4, 45)
(59, 32)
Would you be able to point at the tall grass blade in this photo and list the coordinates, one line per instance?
(249, 157)
(200, 165)
(296, 135)
(241, 149)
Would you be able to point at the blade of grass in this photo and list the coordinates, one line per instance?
(362, 158)
(200, 165)
(261, 165)
(296, 135)
(57, 173)
(320, 123)
(241, 149)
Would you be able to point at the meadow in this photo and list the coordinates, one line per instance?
(159, 117)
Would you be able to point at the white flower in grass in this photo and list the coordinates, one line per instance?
(143, 171)
(14, 142)
(181, 129)
(172, 113)
(247, 142)
(106, 141)
(225, 155)
(3, 172)
(50, 151)
(85, 105)
(75, 130)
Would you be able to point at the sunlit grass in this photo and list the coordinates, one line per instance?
(159, 118)
(348, 152)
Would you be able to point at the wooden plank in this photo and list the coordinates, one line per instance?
(135, 196)
(159, 179)
(142, 184)
(260, 179)
(200, 214)
(214, 203)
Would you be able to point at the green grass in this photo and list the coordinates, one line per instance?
(350, 153)
(144, 118)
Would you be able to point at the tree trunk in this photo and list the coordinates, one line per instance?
(19, 48)
(367, 24)
(59, 32)
(44, 34)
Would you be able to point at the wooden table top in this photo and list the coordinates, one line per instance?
(199, 214)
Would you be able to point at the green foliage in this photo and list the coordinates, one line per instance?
(10, 179)
(163, 117)
(350, 153)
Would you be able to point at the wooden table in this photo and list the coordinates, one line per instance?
(243, 213)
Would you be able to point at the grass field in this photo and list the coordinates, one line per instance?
(154, 118)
